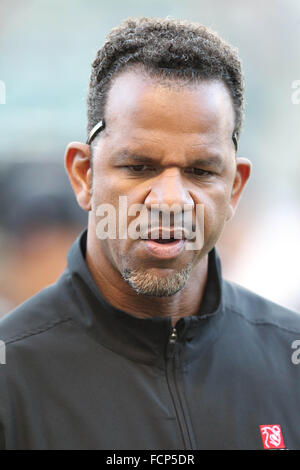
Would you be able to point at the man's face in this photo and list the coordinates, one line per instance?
(164, 143)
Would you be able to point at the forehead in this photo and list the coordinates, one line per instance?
(141, 107)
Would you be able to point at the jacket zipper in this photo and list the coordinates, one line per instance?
(173, 388)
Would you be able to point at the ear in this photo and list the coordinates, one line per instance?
(243, 170)
(77, 165)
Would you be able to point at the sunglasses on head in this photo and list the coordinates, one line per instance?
(101, 125)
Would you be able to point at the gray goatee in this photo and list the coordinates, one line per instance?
(146, 283)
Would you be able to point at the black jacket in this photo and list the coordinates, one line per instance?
(80, 374)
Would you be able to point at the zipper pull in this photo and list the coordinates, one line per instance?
(171, 343)
(173, 336)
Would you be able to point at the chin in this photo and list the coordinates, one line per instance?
(157, 282)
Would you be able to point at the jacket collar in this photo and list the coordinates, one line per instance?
(142, 340)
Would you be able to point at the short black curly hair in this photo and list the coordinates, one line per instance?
(167, 48)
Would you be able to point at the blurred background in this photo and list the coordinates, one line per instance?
(46, 48)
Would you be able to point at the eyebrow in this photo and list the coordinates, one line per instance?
(126, 156)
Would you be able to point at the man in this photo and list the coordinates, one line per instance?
(141, 344)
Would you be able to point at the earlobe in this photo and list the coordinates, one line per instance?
(230, 212)
(77, 165)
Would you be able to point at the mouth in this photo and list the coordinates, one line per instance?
(164, 248)
(162, 241)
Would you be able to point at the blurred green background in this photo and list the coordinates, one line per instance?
(46, 48)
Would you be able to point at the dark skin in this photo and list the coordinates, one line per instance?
(182, 136)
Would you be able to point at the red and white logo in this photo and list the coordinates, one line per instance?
(272, 436)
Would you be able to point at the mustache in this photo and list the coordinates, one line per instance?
(161, 222)
(177, 226)
(165, 233)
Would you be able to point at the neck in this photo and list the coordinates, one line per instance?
(119, 294)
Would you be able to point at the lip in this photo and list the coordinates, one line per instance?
(166, 250)
(161, 232)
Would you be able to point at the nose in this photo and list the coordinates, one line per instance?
(169, 188)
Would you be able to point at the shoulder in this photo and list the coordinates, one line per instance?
(29, 337)
(46, 309)
(258, 310)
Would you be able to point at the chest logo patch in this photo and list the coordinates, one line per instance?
(271, 435)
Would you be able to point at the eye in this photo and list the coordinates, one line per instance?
(199, 172)
(138, 168)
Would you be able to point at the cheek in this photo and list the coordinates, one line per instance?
(216, 200)
(104, 188)
(116, 252)
(109, 184)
